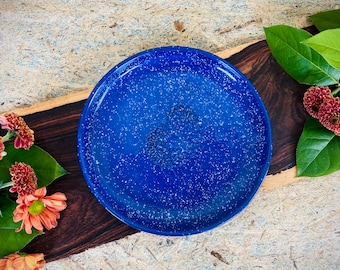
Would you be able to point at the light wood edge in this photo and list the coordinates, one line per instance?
(284, 178)
(231, 51)
(53, 103)
(270, 182)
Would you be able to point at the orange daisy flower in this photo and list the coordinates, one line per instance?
(24, 179)
(16, 124)
(22, 262)
(38, 210)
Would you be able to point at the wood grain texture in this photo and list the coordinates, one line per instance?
(85, 223)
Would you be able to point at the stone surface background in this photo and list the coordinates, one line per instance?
(50, 48)
(53, 48)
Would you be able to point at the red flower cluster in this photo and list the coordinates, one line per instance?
(24, 136)
(313, 99)
(24, 179)
(329, 115)
(2, 149)
(321, 105)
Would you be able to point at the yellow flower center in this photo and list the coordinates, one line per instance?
(36, 207)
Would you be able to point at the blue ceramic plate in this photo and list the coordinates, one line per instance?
(174, 141)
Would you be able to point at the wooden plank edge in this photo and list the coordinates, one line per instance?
(53, 103)
(231, 51)
(279, 180)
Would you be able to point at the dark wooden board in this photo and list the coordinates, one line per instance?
(85, 223)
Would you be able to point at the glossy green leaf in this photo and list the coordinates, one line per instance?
(11, 241)
(45, 166)
(300, 61)
(326, 20)
(327, 43)
(317, 151)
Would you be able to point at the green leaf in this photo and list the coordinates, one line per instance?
(301, 62)
(12, 241)
(317, 151)
(47, 169)
(326, 20)
(327, 43)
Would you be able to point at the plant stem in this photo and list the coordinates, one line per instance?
(6, 185)
(335, 91)
(9, 135)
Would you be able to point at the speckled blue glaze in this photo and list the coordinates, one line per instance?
(174, 141)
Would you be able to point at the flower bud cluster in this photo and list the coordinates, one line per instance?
(322, 105)
(17, 130)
